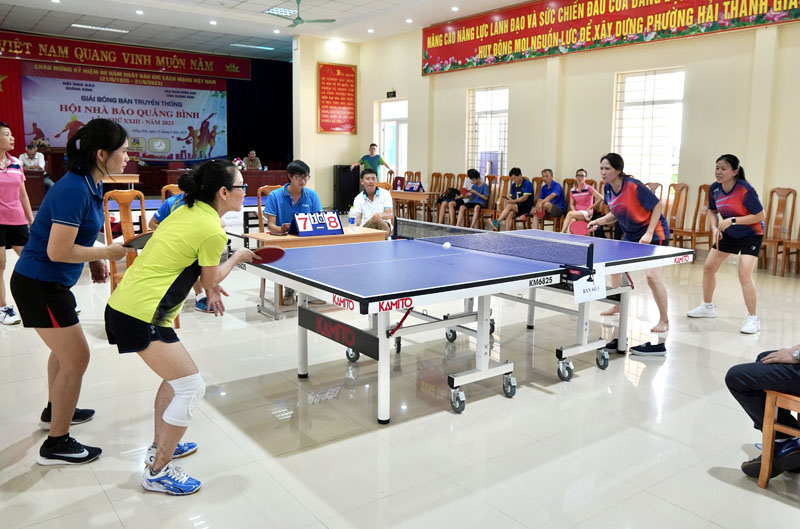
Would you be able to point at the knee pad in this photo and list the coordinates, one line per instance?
(188, 392)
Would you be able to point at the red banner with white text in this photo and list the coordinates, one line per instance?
(555, 27)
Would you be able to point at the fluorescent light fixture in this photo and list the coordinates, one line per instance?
(282, 11)
(212, 22)
(98, 28)
(276, 31)
(370, 30)
(56, 1)
(252, 46)
(409, 20)
(139, 12)
(454, 8)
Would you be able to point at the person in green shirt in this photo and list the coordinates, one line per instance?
(373, 160)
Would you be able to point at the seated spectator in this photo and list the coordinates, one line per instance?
(294, 197)
(475, 199)
(776, 371)
(518, 202)
(583, 201)
(373, 205)
(551, 199)
(251, 161)
(32, 159)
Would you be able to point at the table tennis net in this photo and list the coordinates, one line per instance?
(504, 243)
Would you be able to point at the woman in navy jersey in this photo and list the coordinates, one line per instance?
(637, 211)
(740, 231)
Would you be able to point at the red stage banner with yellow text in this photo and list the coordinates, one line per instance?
(336, 105)
(556, 27)
(90, 53)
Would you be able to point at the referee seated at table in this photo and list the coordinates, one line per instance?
(373, 205)
(294, 197)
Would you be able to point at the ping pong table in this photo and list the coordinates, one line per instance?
(378, 278)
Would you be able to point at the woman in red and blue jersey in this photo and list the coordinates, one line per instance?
(740, 231)
(637, 211)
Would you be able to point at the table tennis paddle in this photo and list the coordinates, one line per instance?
(139, 241)
(464, 191)
(579, 227)
(268, 254)
(541, 213)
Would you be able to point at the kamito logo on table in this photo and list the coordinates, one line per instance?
(397, 304)
(338, 332)
(683, 259)
(344, 302)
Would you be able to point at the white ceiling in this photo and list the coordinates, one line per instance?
(185, 24)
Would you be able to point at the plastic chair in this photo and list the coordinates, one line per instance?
(779, 225)
(263, 191)
(124, 200)
(775, 401)
(170, 190)
(676, 206)
(698, 232)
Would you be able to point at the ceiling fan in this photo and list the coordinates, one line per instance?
(299, 20)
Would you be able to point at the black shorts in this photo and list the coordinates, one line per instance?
(13, 235)
(132, 335)
(750, 245)
(469, 205)
(524, 208)
(43, 304)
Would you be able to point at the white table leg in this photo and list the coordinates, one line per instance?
(302, 341)
(384, 366)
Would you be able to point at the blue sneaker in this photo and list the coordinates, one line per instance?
(785, 458)
(182, 450)
(495, 224)
(171, 480)
(201, 305)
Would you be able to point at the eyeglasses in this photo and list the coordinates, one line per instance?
(301, 176)
(243, 187)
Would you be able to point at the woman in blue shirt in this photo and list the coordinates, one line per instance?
(61, 241)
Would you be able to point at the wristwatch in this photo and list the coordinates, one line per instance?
(796, 355)
(733, 220)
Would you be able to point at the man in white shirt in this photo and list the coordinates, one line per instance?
(32, 159)
(373, 205)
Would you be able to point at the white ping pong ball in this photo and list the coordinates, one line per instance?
(446, 246)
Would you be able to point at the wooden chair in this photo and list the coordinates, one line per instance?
(385, 185)
(567, 185)
(410, 176)
(775, 401)
(490, 210)
(698, 232)
(789, 248)
(417, 176)
(437, 186)
(398, 179)
(124, 199)
(170, 190)
(656, 188)
(779, 224)
(263, 191)
(675, 210)
(449, 181)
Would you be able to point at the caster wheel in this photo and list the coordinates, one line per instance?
(491, 327)
(458, 401)
(450, 334)
(397, 345)
(352, 355)
(565, 372)
(602, 358)
(509, 386)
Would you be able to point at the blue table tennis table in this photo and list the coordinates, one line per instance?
(378, 278)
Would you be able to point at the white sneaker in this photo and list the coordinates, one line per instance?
(703, 310)
(751, 325)
(8, 316)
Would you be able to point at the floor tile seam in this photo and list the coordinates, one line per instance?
(682, 508)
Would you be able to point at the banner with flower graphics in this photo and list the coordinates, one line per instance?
(553, 27)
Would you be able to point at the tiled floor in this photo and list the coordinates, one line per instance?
(648, 443)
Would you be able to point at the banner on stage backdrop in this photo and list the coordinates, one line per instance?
(90, 53)
(336, 105)
(556, 27)
(167, 117)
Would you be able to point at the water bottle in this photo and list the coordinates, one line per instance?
(399, 186)
(351, 219)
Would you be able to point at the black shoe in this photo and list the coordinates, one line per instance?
(69, 452)
(786, 456)
(648, 349)
(80, 416)
(612, 347)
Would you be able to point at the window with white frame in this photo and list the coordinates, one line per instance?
(487, 130)
(394, 136)
(647, 124)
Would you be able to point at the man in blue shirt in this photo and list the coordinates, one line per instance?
(551, 199)
(294, 197)
(518, 202)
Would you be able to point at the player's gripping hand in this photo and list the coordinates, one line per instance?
(243, 255)
(99, 271)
